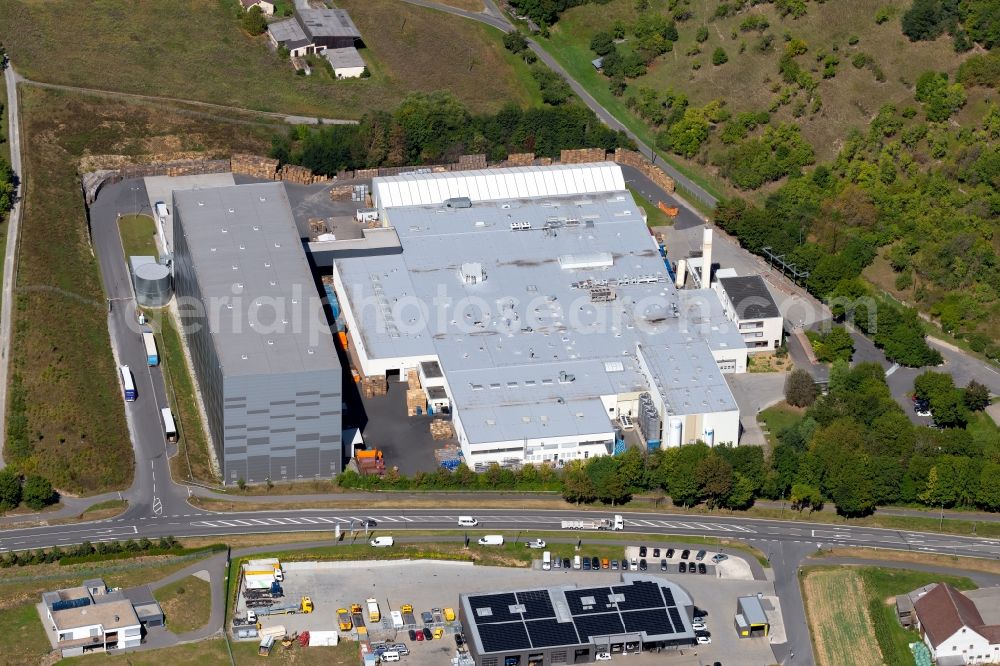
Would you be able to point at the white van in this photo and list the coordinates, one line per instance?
(491, 540)
(390, 655)
(546, 561)
(467, 521)
(576, 562)
(382, 542)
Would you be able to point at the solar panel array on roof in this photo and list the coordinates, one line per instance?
(536, 603)
(653, 621)
(546, 633)
(528, 619)
(504, 637)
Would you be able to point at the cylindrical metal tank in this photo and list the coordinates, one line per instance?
(152, 285)
(709, 436)
(675, 435)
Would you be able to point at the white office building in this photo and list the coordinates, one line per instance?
(748, 304)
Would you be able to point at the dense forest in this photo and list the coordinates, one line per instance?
(853, 447)
(437, 128)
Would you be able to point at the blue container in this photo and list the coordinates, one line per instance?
(619, 447)
(653, 444)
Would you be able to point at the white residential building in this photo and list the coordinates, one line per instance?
(90, 619)
(953, 627)
(266, 7)
(748, 304)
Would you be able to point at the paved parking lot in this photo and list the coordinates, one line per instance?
(437, 584)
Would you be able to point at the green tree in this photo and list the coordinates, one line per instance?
(719, 57)
(804, 496)
(715, 476)
(835, 344)
(254, 21)
(38, 492)
(686, 136)
(852, 490)
(577, 486)
(515, 42)
(682, 473)
(800, 388)
(606, 478)
(924, 20)
(10, 489)
(976, 396)
(602, 43)
(632, 467)
(741, 495)
(702, 34)
(988, 496)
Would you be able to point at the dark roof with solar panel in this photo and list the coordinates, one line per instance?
(566, 615)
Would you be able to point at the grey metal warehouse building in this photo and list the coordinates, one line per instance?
(568, 624)
(254, 322)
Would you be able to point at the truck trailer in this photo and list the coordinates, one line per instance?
(617, 523)
(374, 615)
(152, 358)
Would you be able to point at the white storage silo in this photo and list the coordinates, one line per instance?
(152, 285)
(675, 434)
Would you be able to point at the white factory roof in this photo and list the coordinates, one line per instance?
(516, 317)
(415, 189)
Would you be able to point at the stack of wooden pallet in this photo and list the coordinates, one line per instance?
(416, 402)
(412, 379)
(254, 165)
(441, 429)
(374, 386)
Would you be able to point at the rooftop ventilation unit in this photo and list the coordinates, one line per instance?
(566, 378)
(520, 226)
(458, 202)
(472, 273)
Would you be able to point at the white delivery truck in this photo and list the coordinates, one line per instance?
(617, 523)
(382, 542)
(467, 521)
(491, 540)
(546, 561)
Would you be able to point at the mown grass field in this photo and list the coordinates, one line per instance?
(778, 417)
(852, 617)
(745, 82)
(186, 604)
(195, 49)
(61, 348)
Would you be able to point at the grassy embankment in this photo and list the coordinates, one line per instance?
(852, 617)
(408, 49)
(186, 604)
(61, 349)
(748, 80)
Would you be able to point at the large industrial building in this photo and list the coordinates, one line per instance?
(262, 350)
(537, 309)
(568, 624)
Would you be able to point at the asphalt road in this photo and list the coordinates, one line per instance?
(10, 251)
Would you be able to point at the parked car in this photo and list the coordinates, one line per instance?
(682, 567)
(642, 551)
(536, 543)
(420, 635)
(642, 565)
(614, 565)
(586, 564)
(595, 564)
(719, 557)
(635, 563)
(605, 563)
(700, 556)
(656, 553)
(685, 554)
(556, 563)
(702, 569)
(413, 634)
(566, 563)
(703, 640)
(402, 649)
(922, 407)
(663, 565)
(459, 640)
(427, 634)
(427, 617)
(369, 523)
(692, 567)
(624, 565)
(670, 553)
(700, 634)
(699, 626)
(602, 656)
